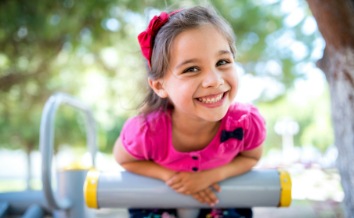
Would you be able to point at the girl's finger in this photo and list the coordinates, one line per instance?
(171, 181)
(183, 190)
(212, 196)
(176, 186)
(207, 194)
(198, 197)
(216, 187)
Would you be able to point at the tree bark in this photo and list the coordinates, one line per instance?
(335, 20)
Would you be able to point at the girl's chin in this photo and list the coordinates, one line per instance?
(214, 115)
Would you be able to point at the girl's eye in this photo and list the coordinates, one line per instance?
(222, 62)
(191, 70)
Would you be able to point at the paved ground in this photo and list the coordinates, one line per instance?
(303, 209)
(298, 209)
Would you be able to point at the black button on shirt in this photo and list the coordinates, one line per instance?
(195, 169)
(195, 157)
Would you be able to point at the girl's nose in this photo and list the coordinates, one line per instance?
(213, 78)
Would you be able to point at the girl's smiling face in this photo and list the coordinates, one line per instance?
(201, 81)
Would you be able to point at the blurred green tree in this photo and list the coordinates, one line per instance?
(42, 48)
(47, 44)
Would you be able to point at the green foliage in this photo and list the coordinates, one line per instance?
(42, 49)
(69, 127)
(108, 137)
(88, 49)
(264, 39)
(311, 113)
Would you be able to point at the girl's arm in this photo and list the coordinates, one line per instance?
(242, 163)
(187, 183)
(153, 170)
(141, 167)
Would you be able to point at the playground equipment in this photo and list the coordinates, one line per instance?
(67, 200)
(257, 188)
(262, 188)
(80, 191)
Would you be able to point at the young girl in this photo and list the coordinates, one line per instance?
(189, 133)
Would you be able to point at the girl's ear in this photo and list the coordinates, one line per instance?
(157, 86)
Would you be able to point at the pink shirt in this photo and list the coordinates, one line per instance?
(150, 138)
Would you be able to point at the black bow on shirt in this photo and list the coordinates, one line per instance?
(237, 134)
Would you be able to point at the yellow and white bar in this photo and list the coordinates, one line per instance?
(257, 188)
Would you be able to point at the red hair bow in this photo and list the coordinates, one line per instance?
(147, 37)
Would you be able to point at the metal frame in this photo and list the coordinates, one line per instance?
(46, 143)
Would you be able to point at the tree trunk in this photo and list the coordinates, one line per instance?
(335, 20)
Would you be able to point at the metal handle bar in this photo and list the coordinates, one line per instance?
(47, 138)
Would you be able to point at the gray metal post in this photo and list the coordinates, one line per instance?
(71, 186)
(18, 202)
(64, 202)
(4, 207)
(34, 211)
(187, 212)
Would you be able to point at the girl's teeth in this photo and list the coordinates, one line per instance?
(210, 100)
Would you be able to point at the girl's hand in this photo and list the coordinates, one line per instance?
(207, 196)
(189, 183)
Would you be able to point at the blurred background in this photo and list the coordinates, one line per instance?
(89, 49)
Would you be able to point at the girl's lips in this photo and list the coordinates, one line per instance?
(212, 100)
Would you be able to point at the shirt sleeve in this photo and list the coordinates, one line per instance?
(256, 132)
(133, 137)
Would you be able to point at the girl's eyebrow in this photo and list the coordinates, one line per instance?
(188, 61)
(221, 52)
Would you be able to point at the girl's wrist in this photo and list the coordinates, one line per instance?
(214, 175)
(167, 175)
